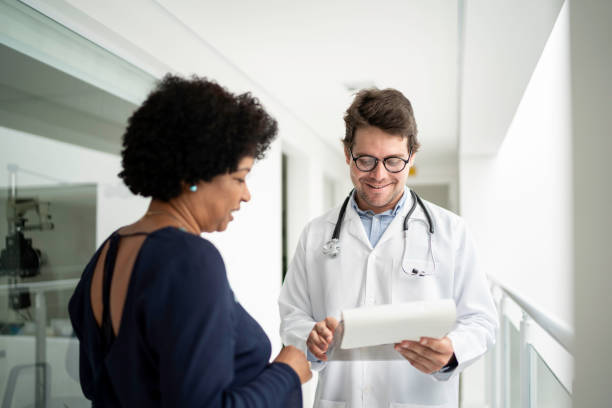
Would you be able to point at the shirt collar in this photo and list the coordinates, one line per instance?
(370, 213)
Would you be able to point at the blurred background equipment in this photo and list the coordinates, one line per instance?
(19, 259)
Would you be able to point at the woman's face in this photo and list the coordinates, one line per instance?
(215, 200)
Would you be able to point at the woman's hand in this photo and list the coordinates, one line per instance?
(295, 359)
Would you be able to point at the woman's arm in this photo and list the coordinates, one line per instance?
(192, 331)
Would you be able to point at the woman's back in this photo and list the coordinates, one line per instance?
(181, 339)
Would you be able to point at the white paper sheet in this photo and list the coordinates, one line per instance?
(374, 329)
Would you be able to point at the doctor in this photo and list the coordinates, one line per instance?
(391, 247)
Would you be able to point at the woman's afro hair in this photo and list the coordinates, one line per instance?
(190, 130)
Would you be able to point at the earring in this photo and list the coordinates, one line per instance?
(193, 188)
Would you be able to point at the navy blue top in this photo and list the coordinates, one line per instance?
(183, 340)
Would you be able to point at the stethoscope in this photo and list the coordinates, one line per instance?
(332, 247)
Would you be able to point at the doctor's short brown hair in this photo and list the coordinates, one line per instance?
(387, 109)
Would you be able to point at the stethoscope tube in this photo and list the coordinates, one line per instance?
(336, 234)
(332, 247)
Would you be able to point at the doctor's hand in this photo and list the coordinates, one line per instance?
(427, 355)
(295, 359)
(321, 337)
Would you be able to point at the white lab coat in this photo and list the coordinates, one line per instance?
(318, 286)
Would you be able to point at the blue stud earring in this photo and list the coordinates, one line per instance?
(193, 188)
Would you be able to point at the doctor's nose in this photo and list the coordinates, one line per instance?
(379, 172)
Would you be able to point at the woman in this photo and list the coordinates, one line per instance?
(157, 321)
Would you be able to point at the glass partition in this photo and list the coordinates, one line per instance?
(548, 374)
(549, 390)
(64, 103)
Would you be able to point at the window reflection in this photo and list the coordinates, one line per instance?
(64, 103)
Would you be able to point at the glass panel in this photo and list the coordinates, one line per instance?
(550, 393)
(63, 108)
(56, 84)
(48, 234)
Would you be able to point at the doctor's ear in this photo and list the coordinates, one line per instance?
(411, 162)
(347, 155)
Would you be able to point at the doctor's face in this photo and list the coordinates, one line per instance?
(378, 190)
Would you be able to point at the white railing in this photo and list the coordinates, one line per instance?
(500, 361)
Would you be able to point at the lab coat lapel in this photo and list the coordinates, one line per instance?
(354, 227)
(351, 225)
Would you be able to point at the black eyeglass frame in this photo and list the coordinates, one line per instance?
(376, 160)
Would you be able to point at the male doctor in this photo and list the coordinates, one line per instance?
(371, 268)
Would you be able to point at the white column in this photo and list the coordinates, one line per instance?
(591, 59)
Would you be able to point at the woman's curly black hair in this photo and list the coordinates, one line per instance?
(190, 130)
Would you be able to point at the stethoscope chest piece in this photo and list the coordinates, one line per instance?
(332, 248)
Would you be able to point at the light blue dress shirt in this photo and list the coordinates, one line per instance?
(376, 224)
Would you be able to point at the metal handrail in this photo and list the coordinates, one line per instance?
(559, 330)
(42, 286)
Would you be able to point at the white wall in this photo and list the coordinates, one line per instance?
(502, 42)
(251, 246)
(518, 202)
(591, 32)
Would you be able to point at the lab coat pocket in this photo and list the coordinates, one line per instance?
(398, 405)
(331, 404)
(414, 279)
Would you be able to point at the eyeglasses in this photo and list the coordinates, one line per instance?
(367, 163)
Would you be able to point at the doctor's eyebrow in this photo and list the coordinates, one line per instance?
(400, 155)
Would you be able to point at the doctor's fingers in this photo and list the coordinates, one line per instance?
(426, 349)
(316, 350)
(424, 353)
(443, 345)
(315, 339)
(419, 362)
(323, 331)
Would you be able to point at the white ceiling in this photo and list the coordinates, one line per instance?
(306, 53)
